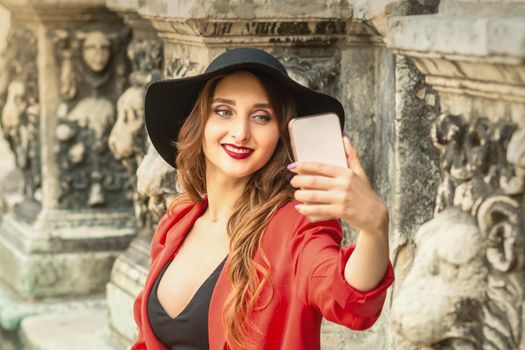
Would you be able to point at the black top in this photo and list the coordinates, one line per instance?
(189, 330)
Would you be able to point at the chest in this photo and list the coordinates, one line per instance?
(197, 258)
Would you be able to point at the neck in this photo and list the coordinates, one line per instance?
(222, 194)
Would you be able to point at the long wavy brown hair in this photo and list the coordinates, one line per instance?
(267, 190)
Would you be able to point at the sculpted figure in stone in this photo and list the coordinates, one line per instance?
(96, 51)
(126, 142)
(14, 109)
(19, 107)
(155, 181)
(124, 139)
(455, 296)
(473, 160)
(19, 125)
(127, 139)
(318, 75)
(447, 136)
(513, 181)
(465, 289)
(88, 61)
(96, 54)
(448, 278)
(88, 123)
(88, 75)
(177, 67)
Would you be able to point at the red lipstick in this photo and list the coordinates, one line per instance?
(242, 152)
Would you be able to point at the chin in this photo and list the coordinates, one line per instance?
(240, 174)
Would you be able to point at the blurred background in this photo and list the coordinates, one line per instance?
(434, 93)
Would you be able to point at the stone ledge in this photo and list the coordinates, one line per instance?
(79, 329)
(59, 11)
(498, 38)
(237, 9)
(14, 309)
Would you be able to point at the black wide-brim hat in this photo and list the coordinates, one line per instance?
(169, 102)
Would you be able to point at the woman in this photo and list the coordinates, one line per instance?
(235, 263)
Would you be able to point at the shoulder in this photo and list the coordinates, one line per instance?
(166, 222)
(179, 203)
(173, 214)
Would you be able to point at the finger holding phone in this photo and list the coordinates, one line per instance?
(330, 178)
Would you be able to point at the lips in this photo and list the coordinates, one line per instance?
(237, 152)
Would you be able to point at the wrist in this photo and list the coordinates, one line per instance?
(381, 222)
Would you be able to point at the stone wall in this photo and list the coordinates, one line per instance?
(434, 96)
(464, 289)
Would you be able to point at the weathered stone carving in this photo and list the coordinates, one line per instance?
(157, 183)
(177, 67)
(20, 109)
(512, 181)
(317, 74)
(466, 286)
(92, 75)
(448, 278)
(473, 161)
(127, 140)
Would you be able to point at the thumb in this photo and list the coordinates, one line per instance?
(354, 162)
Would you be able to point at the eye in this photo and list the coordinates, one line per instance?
(263, 118)
(224, 113)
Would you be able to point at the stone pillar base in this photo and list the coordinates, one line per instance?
(54, 323)
(127, 279)
(41, 261)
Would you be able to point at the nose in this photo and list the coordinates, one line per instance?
(241, 129)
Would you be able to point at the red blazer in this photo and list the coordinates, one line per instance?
(307, 273)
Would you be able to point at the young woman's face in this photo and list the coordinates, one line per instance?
(241, 132)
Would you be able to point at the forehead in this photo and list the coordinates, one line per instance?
(96, 38)
(241, 84)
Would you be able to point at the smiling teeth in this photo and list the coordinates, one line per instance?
(236, 150)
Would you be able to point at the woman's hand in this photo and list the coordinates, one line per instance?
(336, 192)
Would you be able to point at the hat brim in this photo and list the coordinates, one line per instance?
(169, 102)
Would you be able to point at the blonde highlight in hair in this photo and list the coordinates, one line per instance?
(267, 190)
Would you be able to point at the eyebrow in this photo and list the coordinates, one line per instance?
(231, 102)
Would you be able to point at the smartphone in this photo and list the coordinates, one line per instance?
(318, 138)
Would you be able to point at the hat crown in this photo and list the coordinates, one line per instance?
(245, 55)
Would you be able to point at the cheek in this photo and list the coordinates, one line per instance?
(269, 141)
(214, 130)
(207, 137)
(210, 133)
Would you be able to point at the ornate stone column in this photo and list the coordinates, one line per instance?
(66, 67)
(153, 183)
(465, 287)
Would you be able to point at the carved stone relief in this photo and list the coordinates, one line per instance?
(92, 74)
(157, 185)
(127, 140)
(466, 286)
(20, 108)
(316, 73)
(177, 67)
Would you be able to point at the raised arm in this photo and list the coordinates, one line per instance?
(319, 268)
(346, 193)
